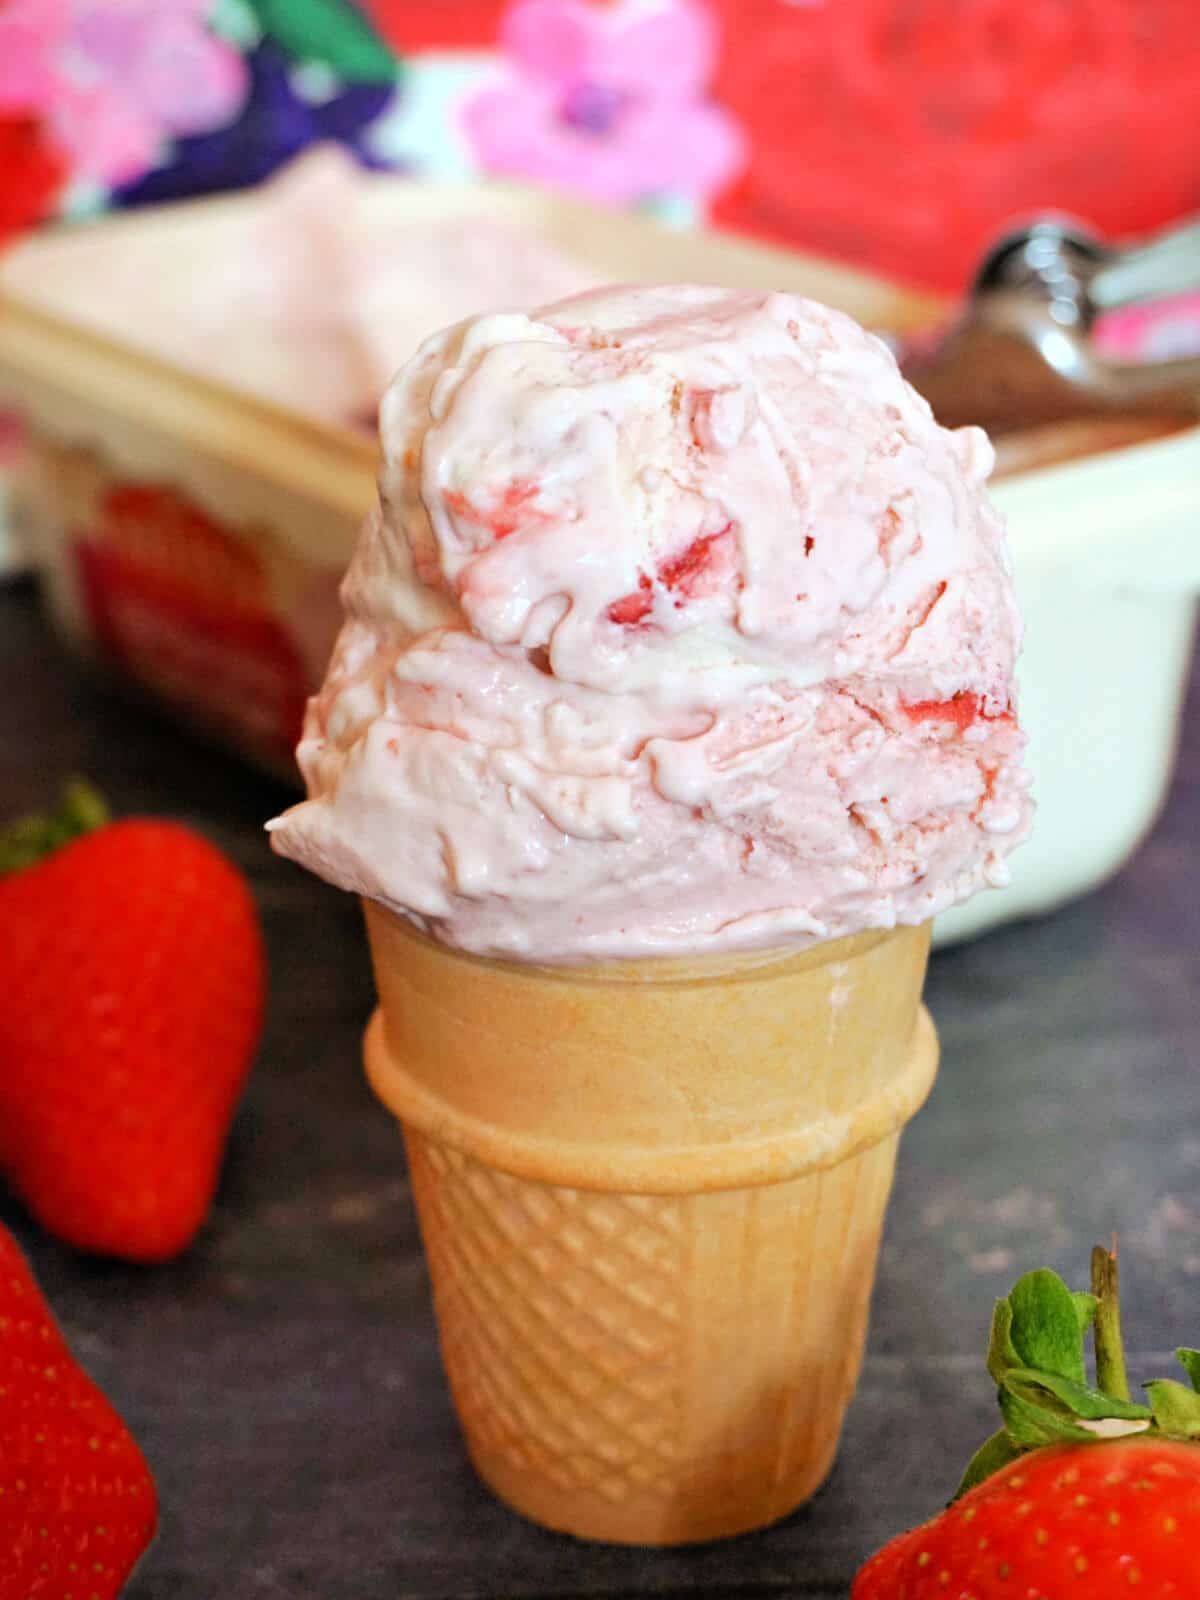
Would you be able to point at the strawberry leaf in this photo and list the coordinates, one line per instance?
(28, 840)
(1189, 1360)
(1176, 1408)
(1086, 1306)
(1046, 1330)
(997, 1452)
(1001, 1354)
(1030, 1423)
(1063, 1397)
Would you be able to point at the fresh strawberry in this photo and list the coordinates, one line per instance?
(1123, 1516)
(77, 1502)
(132, 972)
(1083, 1491)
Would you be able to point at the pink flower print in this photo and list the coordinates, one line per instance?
(31, 32)
(608, 101)
(113, 79)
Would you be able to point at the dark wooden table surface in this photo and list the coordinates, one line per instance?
(283, 1377)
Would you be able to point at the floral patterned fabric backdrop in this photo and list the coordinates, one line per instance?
(901, 134)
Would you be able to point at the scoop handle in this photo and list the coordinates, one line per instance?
(1168, 264)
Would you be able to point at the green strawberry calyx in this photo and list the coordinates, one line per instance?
(28, 840)
(1036, 1356)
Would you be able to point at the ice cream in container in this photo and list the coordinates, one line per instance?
(673, 700)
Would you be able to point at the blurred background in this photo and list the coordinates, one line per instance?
(900, 134)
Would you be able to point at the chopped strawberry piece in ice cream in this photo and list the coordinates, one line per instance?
(962, 709)
(513, 509)
(702, 568)
(633, 608)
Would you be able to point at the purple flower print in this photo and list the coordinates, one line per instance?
(113, 80)
(276, 123)
(607, 101)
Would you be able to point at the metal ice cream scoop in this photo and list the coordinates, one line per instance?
(1021, 356)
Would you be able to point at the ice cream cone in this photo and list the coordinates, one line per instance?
(651, 1196)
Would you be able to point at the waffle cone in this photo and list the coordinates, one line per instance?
(651, 1197)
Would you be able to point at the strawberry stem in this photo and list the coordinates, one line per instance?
(1111, 1375)
(30, 839)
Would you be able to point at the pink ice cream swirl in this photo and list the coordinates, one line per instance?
(681, 628)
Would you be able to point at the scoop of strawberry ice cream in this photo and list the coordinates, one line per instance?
(681, 627)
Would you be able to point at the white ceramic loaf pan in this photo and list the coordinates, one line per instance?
(1106, 554)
